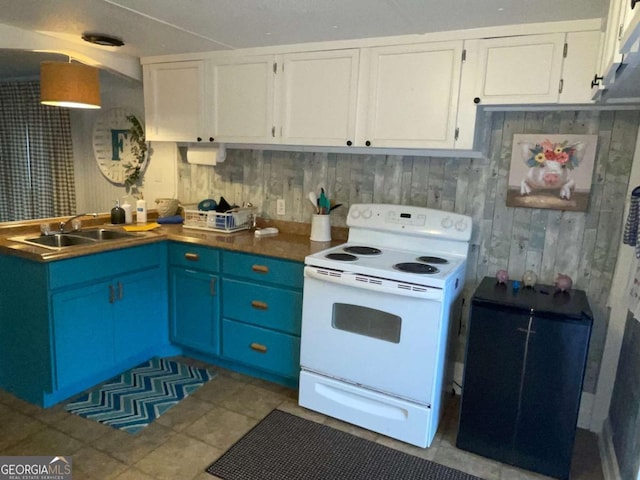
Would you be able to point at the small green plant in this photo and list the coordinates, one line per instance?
(133, 172)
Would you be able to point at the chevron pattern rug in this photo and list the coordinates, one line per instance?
(137, 397)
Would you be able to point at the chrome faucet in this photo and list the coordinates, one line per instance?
(63, 225)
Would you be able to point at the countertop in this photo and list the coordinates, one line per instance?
(292, 243)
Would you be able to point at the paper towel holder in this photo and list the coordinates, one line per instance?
(204, 154)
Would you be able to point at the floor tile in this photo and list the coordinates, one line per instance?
(16, 427)
(180, 457)
(219, 389)
(91, 463)
(467, 462)
(130, 449)
(253, 401)
(221, 428)
(45, 442)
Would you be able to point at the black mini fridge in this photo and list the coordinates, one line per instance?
(524, 366)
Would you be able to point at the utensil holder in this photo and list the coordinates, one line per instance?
(320, 228)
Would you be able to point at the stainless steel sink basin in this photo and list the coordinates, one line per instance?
(76, 238)
(59, 240)
(103, 234)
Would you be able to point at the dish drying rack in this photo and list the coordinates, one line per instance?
(233, 220)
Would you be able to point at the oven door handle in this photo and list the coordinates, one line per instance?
(376, 284)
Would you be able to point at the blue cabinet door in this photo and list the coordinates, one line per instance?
(82, 336)
(194, 309)
(140, 315)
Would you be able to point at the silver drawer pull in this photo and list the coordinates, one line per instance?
(258, 347)
(194, 257)
(212, 287)
(259, 305)
(260, 268)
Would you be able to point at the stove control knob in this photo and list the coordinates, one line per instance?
(447, 222)
(461, 225)
(355, 213)
(367, 213)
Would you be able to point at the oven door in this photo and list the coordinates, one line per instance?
(370, 337)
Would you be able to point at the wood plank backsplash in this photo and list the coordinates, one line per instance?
(583, 245)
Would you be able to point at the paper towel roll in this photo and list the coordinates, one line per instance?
(206, 155)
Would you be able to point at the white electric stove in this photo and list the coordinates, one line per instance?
(376, 318)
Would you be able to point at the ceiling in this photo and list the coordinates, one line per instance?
(158, 27)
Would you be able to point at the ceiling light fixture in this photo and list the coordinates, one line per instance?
(102, 40)
(71, 85)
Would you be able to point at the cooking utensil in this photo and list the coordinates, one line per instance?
(323, 203)
(335, 206)
(313, 198)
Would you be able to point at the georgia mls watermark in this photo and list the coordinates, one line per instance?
(35, 468)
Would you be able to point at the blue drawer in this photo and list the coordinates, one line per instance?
(194, 256)
(262, 305)
(267, 350)
(263, 269)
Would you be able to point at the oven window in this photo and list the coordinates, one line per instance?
(367, 321)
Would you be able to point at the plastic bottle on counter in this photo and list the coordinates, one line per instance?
(141, 210)
(117, 214)
(128, 212)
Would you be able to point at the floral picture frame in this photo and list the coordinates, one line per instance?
(551, 171)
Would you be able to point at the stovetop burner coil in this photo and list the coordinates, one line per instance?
(342, 257)
(413, 267)
(362, 250)
(430, 259)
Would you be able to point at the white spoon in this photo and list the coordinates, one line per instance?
(313, 198)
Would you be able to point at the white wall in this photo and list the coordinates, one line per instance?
(625, 265)
(94, 193)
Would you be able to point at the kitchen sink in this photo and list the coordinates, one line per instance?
(103, 234)
(75, 238)
(59, 240)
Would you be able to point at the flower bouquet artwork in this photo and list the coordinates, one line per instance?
(551, 171)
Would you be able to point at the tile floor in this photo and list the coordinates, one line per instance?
(185, 440)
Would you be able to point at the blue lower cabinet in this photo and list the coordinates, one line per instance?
(140, 315)
(194, 310)
(82, 336)
(78, 322)
(264, 349)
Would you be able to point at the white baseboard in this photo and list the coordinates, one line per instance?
(586, 401)
(608, 458)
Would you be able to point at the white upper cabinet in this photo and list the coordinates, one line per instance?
(524, 69)
(579, 66)
(243, 95)
(318, 98)
(176, 103)
(412, 95)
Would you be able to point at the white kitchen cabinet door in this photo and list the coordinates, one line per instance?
(243, 96)
(318, 97)
(580, 65)
(413, 95)
(525, 69)
(176, 102)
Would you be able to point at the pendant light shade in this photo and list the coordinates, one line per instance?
(71, 85)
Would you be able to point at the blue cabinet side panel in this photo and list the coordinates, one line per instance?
(25, 349)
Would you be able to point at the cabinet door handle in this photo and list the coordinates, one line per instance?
(112, 295)
(259, 305)
(212, 287)
(258, 347)
(260, 268)
(120, 291)
(524, 330)
(194, 257)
